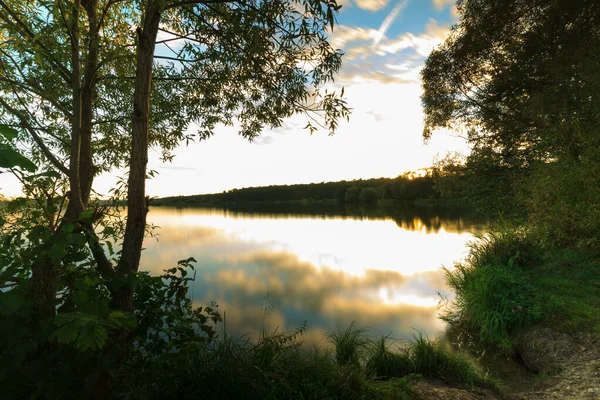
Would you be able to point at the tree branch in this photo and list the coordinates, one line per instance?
(36, 138)
(194, 2)
(62, 70)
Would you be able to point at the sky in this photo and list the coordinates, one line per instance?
(386, 43)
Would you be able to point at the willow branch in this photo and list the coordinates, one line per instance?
(36, 138)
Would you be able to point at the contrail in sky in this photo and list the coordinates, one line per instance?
(387, 22)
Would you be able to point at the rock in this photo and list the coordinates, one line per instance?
(544, 350)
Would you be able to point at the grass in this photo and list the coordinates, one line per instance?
(510, 281)
(279, 367)
(350, 345)
(568, 287)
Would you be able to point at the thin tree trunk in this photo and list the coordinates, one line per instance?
(43, 272)
(86, 167)
(75, 203)
(137, 206)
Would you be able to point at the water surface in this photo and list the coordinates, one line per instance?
(277, 267)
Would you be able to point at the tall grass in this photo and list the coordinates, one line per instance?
(350, 344)
(383, 362)
(494, 296)
(277, 366)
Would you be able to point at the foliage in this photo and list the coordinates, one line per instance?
(350, 345)
(564, 202)
(274, 367)
(567, 283)
(430, 359)
(368, 195)
(402, 188)
(383, 362)
(277, 366)
(511, 280)
(492, 187)
(517, 79)
(352, 194)
(65, 357)
(494, 297)
(83, 90)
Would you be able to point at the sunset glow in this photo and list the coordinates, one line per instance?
(386, 43)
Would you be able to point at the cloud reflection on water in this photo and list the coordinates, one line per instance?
(327, 271)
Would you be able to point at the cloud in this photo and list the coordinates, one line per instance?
(374, 76)
(177, 168)
(423, 44)
(344, 3)
(263, 140)
(371, 5)
(328, 298)
(343, 35)
(286, 277)
(454, 12)
(441, 4)
(387, 22)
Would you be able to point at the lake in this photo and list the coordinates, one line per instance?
(275, 267)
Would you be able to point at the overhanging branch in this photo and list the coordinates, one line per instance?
(36, 138)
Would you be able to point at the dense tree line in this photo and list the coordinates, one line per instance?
(408, 187)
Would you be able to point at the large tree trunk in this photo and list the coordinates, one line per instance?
(137, 206)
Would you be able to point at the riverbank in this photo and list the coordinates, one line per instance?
(539, 305)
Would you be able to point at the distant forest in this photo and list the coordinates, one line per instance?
(409, 188)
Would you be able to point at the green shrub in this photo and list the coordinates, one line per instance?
(493, 294)
(564, 202)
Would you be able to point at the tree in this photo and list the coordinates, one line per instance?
(82, 93)
(352, 194)
(518, 79)
(71, 92)
(369, 195)
(517, 76)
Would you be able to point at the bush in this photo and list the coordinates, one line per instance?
(564, 203)
(493, 295)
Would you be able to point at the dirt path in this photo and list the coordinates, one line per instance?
(578, 359)
(571, 364)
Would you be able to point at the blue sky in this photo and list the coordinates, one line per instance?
(386, 43)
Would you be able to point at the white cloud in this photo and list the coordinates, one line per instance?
(423, 44)
(344, 3)
(371, 5)
(441, 4)
(343, 35)
(454, 12)
(387, 22)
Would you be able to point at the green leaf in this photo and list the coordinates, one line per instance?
(68, 228)
(8, 132)
(77, 239)
(86, 215)
(67, 333)
(10, 303)
(10, 158)
(58, 251)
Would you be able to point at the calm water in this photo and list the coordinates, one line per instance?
(279, 267)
